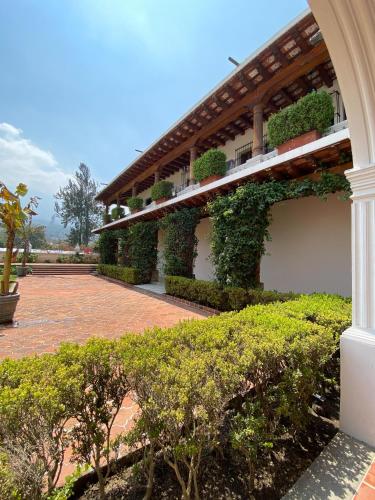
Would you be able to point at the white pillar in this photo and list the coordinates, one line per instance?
(348, 30)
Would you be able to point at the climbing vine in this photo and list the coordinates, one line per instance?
(180, 241)
(108, 243)
(142, 247)
(241, 220)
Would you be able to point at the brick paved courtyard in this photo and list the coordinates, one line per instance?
(55, 309)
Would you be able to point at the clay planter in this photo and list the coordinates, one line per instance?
(135, 210)
(8, 304)
(209, 179)
(299, 141)
(161, 200)
(21, 271)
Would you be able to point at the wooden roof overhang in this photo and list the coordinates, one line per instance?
(279, 73)
(335, 157)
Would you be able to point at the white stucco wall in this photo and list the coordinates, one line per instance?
(203, 268)
(310, 247)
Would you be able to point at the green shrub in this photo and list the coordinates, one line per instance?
(161, 189)
(273, 357)
(142, 248)
(126, 274)
(314, 111)
(212, 162)
(134, 203)
(108, 246)
(180, 243)
(117, 213)
(210, 293)
(106, 218)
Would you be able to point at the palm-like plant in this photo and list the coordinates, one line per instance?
(13, 216)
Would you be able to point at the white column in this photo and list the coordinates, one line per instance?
(348, 30)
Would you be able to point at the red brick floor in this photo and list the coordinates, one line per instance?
(366, 490)
(55, 309)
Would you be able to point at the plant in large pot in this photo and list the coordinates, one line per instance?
(12, 216)
(161, 191)
(135, 204)
(302, 122)
(210, 167)
(25, 232)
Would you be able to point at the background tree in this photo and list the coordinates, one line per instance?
(76, 206)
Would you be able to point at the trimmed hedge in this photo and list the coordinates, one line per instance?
(211, 294)
(117, 213)
(134, 203)
(212, 162)
(126, 274)
(162, 189)
(273, 358)
(314, 111)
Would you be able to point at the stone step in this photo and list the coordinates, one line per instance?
(49, 269)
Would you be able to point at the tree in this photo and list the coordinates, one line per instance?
(76, 205)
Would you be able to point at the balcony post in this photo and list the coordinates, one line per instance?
(157, 175)
(193, 157)
(134, 190)
(258, 129)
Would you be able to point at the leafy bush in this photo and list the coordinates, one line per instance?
(210, 293)
(108, 246)
(212, 162)
(31, 258)
(180, 244)
(126, 274)
(142, 248)
(314, 111)
(77, 259)
(272, 357)
(161, 189)
(134, 203)
(117, 213)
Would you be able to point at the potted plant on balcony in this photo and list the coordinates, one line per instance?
(210, 167)
(301, 122)
(26, 231)
(12, 216)
(135, 204)
(161, 191)
(117, 213)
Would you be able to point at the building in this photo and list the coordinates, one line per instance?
(233, 118)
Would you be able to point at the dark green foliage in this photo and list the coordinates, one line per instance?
(108, 245)
(241, 220)
(180, 244)
(117, 213)
(209, 293)
(314, 111)
(212, 162)
(184, 379)
(134, 203)
(126, 274)
(107, 218)
(76, 206)
(143, 242)
(162, 189)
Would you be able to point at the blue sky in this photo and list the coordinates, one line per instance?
(92, 80)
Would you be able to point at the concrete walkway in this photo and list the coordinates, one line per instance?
(344, 470)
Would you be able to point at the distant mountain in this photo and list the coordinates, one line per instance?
(54, 229)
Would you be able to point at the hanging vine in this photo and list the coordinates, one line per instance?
(241, 220)
(180, 241)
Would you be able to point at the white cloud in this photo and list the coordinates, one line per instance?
(23, 161)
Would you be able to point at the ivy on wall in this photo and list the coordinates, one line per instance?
(180, 241)
(142, 247)
(108, 244)
(241, 220)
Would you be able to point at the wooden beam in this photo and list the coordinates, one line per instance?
(262, 92)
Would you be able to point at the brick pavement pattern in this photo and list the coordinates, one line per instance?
(55, 309)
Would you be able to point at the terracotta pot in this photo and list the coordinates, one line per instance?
(299, 141)
(21, 271)
(161, 200)
(209, 179)
(135, 210)
(8, 304)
